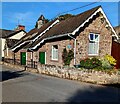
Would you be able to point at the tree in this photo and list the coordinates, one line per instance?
(63, 17)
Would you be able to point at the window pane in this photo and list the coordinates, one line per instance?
(55, 52)
(91, 36)
(91, 48)
(96, 38)
(96, 48)
(93, 44)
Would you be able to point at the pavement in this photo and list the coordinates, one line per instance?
(23, 86)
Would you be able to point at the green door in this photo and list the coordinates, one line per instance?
(42, 57)
(23, 58)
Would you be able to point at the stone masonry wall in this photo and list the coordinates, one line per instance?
(82, 46)
(85, 75)
(105, 40)
(91, 76)
(61, 45)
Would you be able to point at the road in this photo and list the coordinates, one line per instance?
(22, 86)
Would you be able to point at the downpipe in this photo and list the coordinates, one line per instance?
(74, 48)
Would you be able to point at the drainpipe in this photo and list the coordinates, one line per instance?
(74, 48)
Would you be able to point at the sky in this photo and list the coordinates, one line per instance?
(27, 13)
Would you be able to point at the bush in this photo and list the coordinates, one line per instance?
(110, 59)
(87, 64)
(91, 63)
(96, 63)
(106, 64)
(67, 56)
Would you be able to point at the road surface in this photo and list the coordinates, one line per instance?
(22, 86)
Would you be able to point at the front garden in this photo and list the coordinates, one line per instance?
(105, 63)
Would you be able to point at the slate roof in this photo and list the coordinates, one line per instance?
(33, 33)
(66, 26)
(63, 27)
(11, 42)
(8, 33)
(5, 33)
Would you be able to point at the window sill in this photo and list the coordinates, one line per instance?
(54, 60)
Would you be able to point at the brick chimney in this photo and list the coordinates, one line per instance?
(20, 27)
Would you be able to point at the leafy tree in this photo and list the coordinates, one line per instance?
(63, 17)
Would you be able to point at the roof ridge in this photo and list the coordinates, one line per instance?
(89, 10)
(97, 7)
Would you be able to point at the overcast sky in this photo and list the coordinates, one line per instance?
(27, 13)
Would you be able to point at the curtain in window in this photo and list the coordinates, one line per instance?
(55, 52)
(93, 47)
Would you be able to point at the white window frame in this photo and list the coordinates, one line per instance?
(56, 59)
(96, 41)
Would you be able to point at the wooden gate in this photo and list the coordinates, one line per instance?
(116, 52)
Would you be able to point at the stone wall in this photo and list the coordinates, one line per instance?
(105, 40)
(92, 76)
(18, 67)
(61, 45)
(84, 75)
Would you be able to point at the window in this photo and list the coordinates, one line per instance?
(54, 52)
(93, 44)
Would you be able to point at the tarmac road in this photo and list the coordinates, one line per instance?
(21, 86)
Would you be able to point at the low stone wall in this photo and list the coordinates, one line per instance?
(19, 67)
(92, 76)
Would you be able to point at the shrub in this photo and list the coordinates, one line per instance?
(87, 63)
(110, 59)
(96, 63)
(106, 64)
(64, 56)
(67, 56)
(90, 63)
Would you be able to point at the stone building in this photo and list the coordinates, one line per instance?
(9, 37)
(88, 34)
